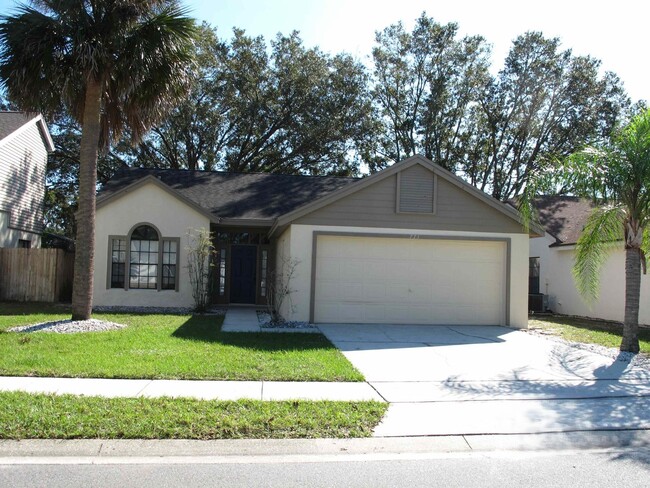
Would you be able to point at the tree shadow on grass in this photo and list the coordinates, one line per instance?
(29, 308)
(596, 325)
(208, 329)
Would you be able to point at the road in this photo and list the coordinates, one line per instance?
(620, 467)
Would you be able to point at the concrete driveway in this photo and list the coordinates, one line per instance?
(454, 380)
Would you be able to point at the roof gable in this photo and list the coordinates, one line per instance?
(14, 123)
(564, 217)
(150, 179)
(404, 165)
(233, 197)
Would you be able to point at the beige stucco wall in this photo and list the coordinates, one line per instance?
(299, 238)
(9, 237)
(173, 218)
(283, 259)
(557, 282)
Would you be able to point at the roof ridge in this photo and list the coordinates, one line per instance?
(185, 170)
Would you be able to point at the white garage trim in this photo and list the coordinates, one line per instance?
(316, 234)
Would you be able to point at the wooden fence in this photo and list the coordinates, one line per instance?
(36, 275)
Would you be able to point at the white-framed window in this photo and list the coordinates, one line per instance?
(143, 260)
(118, 262)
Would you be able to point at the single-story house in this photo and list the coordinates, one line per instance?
(552, 257)
(24, 145)
(410, 244)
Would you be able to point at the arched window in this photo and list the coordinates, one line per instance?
(143, 258)
(150, 257)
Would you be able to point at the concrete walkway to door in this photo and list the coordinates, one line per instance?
(445, 380)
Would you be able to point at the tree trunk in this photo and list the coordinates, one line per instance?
(84, 263)
(630, 341)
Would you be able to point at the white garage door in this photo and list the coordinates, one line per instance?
(409, 281)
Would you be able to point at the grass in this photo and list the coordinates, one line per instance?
(164, 346)
(29, 416)
(579, 329)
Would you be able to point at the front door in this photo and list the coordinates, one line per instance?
(243, 260)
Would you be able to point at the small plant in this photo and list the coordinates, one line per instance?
(200, 253)
(279, 288)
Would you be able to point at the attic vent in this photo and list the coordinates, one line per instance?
(415, 191)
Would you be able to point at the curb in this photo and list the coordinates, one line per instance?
(84, 451)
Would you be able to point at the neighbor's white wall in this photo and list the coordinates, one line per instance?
(153, 205)
(9, 237)
(557, 281)
(300, 248)
(23, 158)
(539, 249)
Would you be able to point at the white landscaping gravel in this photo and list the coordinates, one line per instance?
(158, 310)
(264, 319)
(70, 326)
(640, 360)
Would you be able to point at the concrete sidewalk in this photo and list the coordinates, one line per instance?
(205, 390)
(242, 319)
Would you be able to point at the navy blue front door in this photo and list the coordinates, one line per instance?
(243, 260)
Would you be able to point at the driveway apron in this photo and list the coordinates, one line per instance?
(455, 380)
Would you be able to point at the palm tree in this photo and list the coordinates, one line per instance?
(114, 66)
(615, 175)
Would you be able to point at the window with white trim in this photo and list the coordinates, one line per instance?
(118, 262)
(152, 260)
(143, 258)
(170, 248)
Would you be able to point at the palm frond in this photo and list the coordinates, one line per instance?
(140, 94)
(32, 48)
(645, 249)
(541, 182)
(603, 229)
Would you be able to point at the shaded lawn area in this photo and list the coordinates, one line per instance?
(579, 329)
(164, 346)
(28, 416)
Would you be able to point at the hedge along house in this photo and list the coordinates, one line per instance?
(410, 244)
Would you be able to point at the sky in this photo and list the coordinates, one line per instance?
(614, 31)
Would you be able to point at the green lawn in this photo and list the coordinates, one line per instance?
(164, 346)
(579, 329)
(28, 416)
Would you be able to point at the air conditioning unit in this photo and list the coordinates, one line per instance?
(537, 302)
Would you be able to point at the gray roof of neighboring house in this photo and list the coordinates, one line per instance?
(564, 217)
(235, 195)
(12, 121)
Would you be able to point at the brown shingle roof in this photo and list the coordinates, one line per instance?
(236, 195)
(564, 217)
(12, 121)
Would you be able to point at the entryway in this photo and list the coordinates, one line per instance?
(242, 275)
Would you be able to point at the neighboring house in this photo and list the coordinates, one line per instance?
(552, 257)
(24, 145)
(410, 244)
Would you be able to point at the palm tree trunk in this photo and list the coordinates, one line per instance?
(630, 341)
(84, 263)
